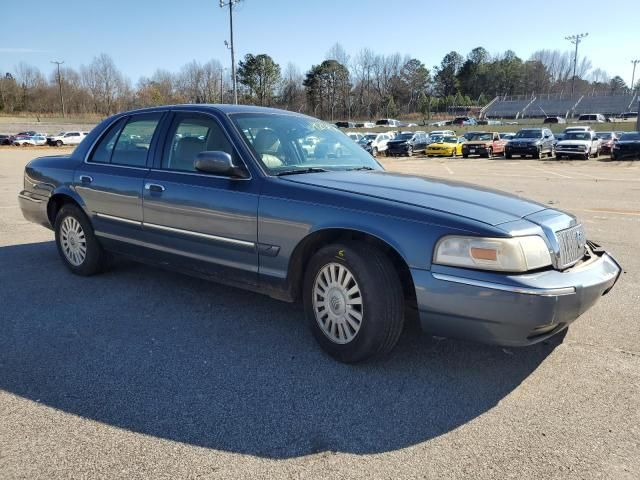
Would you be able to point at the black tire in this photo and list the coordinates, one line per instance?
(465, 156)
(586, 156)
(410, 152)
(508, 156)
(95, 257)
(381, 299)
(453, 153)
(374, 151)
(490, 153)
(59, 143)
(538, 154)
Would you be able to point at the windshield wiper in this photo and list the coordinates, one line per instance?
(296, 171)
(364, 167)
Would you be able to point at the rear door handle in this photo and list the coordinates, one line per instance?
(154, 187)
(86, 179)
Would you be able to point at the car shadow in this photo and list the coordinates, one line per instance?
(182, 359)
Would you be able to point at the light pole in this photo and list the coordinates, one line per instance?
(222, 85)
(230, 4)
(575, 39)
(60, 86)
(633, 75)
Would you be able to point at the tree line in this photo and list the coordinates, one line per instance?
(366, 85)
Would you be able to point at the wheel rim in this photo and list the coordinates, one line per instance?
(73, 241)
(337, 303)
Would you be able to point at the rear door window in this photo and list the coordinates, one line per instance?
(133, 144)
(103, 150)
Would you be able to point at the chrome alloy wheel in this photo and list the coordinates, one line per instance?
(73, 241)
(337, 303)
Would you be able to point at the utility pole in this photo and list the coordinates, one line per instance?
(575, 39)
(633, 75)
(60, 86)
(222, 85)
(230, 4)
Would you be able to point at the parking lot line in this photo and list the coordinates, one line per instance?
(633, 213)
(447, 167)
(549, 172)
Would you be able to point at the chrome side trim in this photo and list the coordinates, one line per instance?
(544, 292)
(118, 219)
(200, 235)
(172, 251)
(31, 199)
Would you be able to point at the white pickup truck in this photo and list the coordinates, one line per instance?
(66, 138)
(581, 144)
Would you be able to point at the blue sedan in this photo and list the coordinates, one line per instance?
(287, 205)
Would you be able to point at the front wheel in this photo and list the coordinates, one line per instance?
(410, 152)
(77, 245)
(59, 143)
(374, 151)
(353, 301)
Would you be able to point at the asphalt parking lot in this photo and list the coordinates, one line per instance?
(142, 373)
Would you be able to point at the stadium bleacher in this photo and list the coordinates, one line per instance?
(606, 104)
(507, 108)
(559, 105)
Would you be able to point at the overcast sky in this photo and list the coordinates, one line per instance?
(144, 35)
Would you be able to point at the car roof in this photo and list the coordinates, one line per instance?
(223, 108)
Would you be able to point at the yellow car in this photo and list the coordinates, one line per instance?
(445, 147)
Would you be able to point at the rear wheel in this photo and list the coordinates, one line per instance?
(77, 245)
(353, 301)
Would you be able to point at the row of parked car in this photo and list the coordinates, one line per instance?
(33, 138)
(574, 142)
(596, 118)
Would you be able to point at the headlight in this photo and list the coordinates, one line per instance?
(518, 254)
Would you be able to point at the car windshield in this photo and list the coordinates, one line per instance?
(281, 143)
(604, 135)
(382, 122)
(483, 137)
(529, 134)
(577, 136)
(404, 136)
(630, 136)
(449, 140)
(371, 136)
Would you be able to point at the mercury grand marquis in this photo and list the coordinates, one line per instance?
(287, 205)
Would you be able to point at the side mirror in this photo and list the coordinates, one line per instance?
(218, 163)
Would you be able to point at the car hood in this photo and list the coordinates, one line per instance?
(462, 199)
(574, 142)
(528, 141)
(441, 144)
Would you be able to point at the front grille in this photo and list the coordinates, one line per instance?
(570, 147)
(571, 242)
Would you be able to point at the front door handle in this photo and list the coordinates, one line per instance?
(154, 187)
(86, 179)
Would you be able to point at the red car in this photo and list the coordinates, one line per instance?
(484, 144)
(606, 141)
